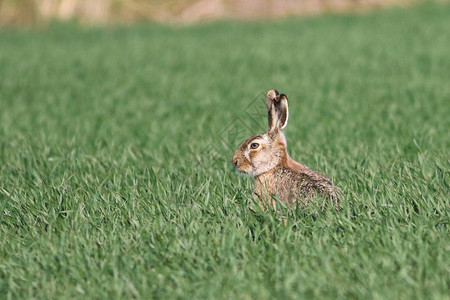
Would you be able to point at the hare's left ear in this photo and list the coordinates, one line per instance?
(277, 111)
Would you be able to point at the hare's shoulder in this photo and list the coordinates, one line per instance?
(309, 179)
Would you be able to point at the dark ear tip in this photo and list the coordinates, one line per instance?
(280, 97)
(273, 93)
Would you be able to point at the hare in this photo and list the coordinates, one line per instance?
(276, 174)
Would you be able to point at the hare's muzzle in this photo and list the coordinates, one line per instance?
(235, 162)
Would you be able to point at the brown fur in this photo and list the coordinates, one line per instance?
(276, 174)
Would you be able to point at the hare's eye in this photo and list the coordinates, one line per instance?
(254, 145)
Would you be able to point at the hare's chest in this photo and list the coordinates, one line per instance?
(279, 185)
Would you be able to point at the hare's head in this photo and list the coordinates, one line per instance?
(264, 152)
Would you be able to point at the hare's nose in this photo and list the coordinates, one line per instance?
(235, 162)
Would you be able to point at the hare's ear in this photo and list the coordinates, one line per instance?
(277, 110)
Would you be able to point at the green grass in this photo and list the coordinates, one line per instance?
(115, 173)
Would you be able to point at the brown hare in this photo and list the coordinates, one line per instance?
(276, 174)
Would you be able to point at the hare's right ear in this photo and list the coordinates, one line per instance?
(277, 111)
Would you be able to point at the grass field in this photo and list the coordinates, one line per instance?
(115, 159)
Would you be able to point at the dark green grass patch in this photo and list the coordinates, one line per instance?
(115, 149)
